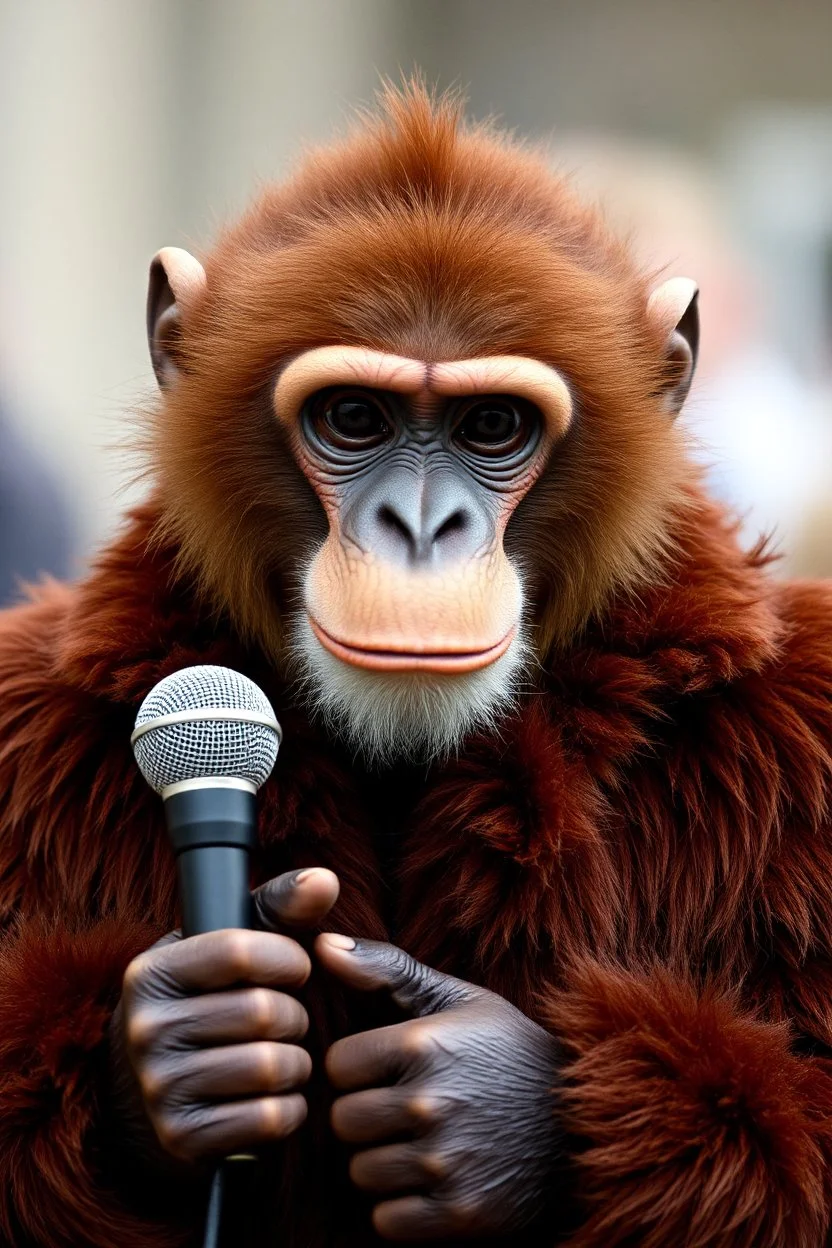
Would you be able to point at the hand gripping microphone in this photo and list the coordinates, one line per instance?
(206, 739)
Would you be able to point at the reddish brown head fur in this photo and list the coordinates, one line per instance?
(425, 238)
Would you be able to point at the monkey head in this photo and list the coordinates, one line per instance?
(416, 423)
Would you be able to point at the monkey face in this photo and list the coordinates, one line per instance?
(418, 468)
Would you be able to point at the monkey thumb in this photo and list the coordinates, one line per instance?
(372, 965)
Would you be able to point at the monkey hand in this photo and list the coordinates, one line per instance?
(452, 1110)
(204, 1049)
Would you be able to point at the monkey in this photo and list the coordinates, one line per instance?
(542, 891)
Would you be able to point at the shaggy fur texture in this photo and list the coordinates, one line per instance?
(641, 859)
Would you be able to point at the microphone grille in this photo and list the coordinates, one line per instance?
(240, 743)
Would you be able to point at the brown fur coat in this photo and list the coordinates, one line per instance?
(642, 862)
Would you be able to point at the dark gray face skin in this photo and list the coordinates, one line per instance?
(420, 483)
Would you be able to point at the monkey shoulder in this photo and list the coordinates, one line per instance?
(34, 705)
(787, 764)
(74, 816)
(731, 737)
(788, 786)
(767, 734)
(776, 695)
(805, 609)
(795, 696)
(798, 678)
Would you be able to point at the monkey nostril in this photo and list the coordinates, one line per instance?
(416, 536)
(455, 523)
(389, 519)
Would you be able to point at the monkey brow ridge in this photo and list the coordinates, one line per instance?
(359, 366)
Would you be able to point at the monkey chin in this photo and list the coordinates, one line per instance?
(418, 717)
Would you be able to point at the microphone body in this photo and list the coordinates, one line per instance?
(212, 831)
(206, 739)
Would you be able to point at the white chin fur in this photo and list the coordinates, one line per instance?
(415, 716)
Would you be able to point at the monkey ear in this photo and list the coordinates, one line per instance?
(674, 307)
(176, 281)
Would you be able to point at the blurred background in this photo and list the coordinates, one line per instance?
(704, 129)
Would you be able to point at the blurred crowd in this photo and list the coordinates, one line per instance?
(36, 528)
(762, 428)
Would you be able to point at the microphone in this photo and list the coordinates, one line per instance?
(206, 739)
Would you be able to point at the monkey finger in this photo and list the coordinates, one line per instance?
(225, 1073)
(240, 1126)
(396, 1168)
(215, 960)
(371, 1058)
(236, 1015)
(412, 1218)
(381, 1113)
(296, 898)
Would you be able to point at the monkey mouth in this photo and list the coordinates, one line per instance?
(447, 662)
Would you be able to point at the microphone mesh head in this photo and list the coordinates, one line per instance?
(193, 750)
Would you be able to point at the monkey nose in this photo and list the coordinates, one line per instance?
(420, 539)
(422, 523)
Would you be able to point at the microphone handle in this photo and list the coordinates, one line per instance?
(213, 888)
(213, 830)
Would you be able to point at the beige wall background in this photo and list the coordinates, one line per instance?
(129, 124)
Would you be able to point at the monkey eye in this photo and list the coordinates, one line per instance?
(494, 426)
(351, 419)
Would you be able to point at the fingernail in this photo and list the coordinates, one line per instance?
(340, 942)
(303, 875)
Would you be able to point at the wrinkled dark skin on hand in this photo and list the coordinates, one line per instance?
(204, 1046)
(451, 1112)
